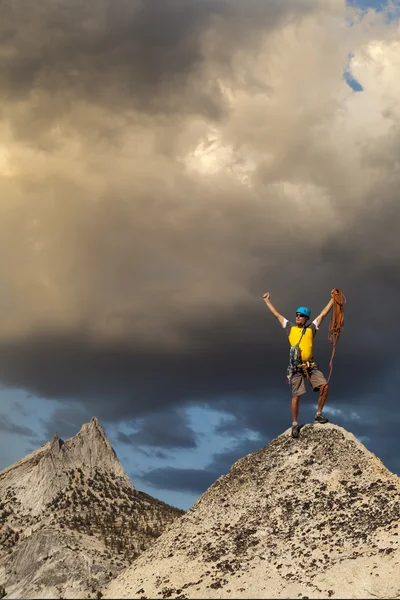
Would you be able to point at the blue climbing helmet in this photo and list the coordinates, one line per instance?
(304, 311)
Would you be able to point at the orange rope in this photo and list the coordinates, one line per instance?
(337, 322)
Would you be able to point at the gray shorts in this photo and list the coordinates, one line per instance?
(299, 381)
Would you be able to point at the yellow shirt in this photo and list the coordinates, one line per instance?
(294, 334)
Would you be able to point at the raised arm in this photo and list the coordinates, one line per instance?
(272, 308)
(324, 312)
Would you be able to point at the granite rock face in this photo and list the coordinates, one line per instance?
(70, 518)
(37, 478)
(316, 517)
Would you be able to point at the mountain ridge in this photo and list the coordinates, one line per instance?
(297, 517)
(70, 517)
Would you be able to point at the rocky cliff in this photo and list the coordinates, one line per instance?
(316, 517)
(70, 518)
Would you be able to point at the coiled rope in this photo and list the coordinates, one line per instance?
(337, 322)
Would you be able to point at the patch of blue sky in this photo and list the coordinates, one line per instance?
(202, 420)
(378, 5)
(136, 462)
(391, 9)
(350, 79)
(23, 413)
(352, 82)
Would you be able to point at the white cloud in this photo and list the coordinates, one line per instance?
(105, 209)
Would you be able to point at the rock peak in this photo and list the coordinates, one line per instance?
(45, 470)
(297, 517)
(93, 428)
(55, 443)
(69, 510)
(91, 448)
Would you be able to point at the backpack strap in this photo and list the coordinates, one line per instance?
(301, 337)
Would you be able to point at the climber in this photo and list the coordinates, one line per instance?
(302, 365)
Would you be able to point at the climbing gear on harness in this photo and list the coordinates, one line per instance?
(305, 366)
(337, 322)
(295, 358)
(308, 364)
(304, 311)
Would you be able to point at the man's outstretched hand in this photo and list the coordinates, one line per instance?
(267, 296)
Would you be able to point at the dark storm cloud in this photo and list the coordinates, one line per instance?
(227, 359)
(138, 54)
(243, 354)
(66, 421)
(198, 480)
(188, 480)
(20, 409)
(133, 46)
(167, 430)
(152, 453)
(8, 426)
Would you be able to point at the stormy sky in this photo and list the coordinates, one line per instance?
(162, 165)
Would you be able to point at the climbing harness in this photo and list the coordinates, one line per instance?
(305, 368)
(337, 322)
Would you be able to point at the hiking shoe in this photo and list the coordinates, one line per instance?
(295, 431)
(320, 419)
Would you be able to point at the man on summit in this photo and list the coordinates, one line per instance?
(302, 366)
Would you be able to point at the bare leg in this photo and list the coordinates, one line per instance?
(295, 408)
(323, 394)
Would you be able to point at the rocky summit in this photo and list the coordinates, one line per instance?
(70, 518)
(316, 517)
